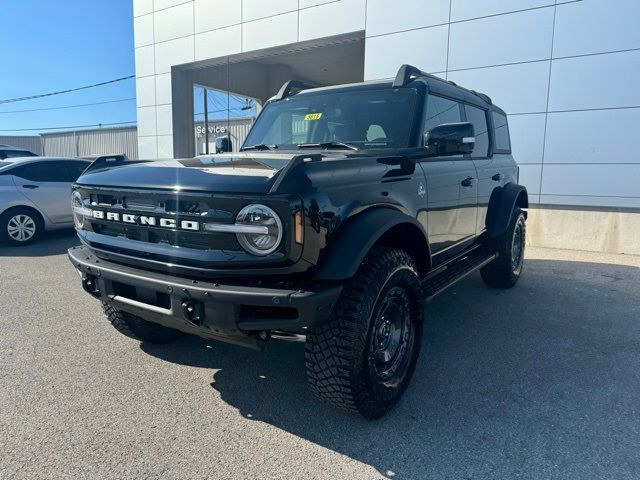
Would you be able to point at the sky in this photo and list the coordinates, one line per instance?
(50, 45)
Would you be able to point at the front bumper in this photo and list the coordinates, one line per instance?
(229, 313)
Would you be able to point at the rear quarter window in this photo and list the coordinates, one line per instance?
(501, 133)
(478, 118)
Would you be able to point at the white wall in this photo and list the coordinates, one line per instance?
(174, 32)
(566, 71)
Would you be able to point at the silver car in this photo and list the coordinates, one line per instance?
(34, 196)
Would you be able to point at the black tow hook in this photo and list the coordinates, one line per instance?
(90, 285)
(263, 335)
(193, 311)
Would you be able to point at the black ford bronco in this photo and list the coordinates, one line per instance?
(347, 208)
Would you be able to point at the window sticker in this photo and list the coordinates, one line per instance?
(312, 116)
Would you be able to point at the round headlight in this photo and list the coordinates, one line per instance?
(265, 240)
(78, 209)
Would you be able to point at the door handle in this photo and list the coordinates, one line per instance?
(30, 187)
(467, 182)
(497, 177)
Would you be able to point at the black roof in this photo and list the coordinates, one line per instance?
(407, 75)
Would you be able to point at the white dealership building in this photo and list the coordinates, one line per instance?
(566, 72)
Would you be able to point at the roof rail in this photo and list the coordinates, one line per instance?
(292, 87)
(483, 96)
(405, 73)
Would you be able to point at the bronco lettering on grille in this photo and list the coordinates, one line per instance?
(146, 220)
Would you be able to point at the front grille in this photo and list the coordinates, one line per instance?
(141, 204)
(103, 200)
(117, 230)
(175, 207)
(175, 238)
(178, 245)
(182, 206)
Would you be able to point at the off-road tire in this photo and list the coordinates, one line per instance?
(35, 218)
(501, 272)
(137, 328)
(338, 352)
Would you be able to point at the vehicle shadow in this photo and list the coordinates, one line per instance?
(540, 381)
(55, 242)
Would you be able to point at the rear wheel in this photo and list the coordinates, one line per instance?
(505, 270)
(20, 226)
(362, 359)
(138, 328)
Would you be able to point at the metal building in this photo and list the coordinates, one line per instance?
(98, 141)
(33, 143)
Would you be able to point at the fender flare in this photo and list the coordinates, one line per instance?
(501, 206)
(359, 234)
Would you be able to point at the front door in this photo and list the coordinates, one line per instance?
(451, 201)
(451, 186)
(47, 185)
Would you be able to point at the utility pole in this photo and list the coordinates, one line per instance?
(206, 122)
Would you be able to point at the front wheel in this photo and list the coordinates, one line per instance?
(138, 328)
(362, 359)
(505, 270)
(20, 226)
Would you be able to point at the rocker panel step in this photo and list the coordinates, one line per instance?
(455, 270)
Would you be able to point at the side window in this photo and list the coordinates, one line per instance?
(478, 118)
(440, 110)
(42, 172)
(501, 132)
(75, 169)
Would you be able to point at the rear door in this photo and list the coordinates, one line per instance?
(490, 167)
(47, 184)
(451, 190)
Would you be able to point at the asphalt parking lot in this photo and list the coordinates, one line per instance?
(539, 382)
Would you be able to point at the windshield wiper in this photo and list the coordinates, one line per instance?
(328, 145)
(259, 146)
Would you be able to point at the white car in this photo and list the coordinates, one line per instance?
(34, 196)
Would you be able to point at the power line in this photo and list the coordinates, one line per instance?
(31, 97)
(69, 106)
(69, 127)
(218, 111)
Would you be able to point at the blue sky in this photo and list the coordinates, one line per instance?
(58, 44)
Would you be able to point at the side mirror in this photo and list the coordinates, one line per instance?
(451, 139)
(223, 145)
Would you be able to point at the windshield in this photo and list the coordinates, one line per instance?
(380, 118)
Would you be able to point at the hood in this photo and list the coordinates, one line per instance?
(225, 173)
